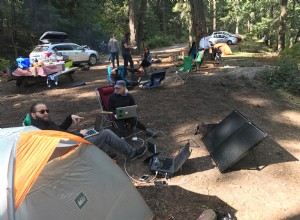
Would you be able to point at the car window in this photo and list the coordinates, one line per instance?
(75, 47)
(40, 48)
(66, 47)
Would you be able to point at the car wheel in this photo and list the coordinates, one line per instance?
(93, 60)
(229, 42)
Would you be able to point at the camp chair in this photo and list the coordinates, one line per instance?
(199, 59)
(155, 79)
(184, 72)
(103, 93)
(26, 120)
(120, 76)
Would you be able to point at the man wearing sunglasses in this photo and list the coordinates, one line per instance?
(105, 139)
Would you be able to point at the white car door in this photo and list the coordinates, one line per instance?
(81, 55)
(67, 50)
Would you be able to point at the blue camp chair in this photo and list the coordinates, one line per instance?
(112, 79)
(156, 79)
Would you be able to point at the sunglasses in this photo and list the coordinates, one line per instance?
(43, 111)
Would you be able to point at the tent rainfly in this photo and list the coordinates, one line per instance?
(56, 175)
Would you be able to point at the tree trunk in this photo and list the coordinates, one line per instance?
(140, 23)
(282, 27)
(164, 19)
(13, 27)
(198, 19)
(132, 28)
(215, 15)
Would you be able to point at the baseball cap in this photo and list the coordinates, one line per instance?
(120, 84)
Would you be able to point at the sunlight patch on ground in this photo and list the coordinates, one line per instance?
(291, 146)
(292, 116)
(252, 101)
(86, 94)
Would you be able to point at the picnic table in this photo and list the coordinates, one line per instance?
(49, 73)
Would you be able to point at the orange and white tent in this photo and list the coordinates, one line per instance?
(224, 48)
(56, 175)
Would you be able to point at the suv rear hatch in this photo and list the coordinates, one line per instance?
(53, 37)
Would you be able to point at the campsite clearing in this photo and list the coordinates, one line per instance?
(175, 109)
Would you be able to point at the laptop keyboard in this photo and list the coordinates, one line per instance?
(91, 132)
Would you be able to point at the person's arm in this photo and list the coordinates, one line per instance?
(131, 100)
(66, 123)
(111, 104)
(126, 45)
(150, 57)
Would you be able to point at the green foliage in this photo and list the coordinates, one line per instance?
(285, 76)
(291, 54)
(4, 64)
(158, 41)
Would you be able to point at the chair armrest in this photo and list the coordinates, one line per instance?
(106, 113)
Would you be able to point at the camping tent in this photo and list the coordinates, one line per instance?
(224, 48)
(56, 175)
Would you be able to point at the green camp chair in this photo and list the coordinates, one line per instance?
(184, 72)
(26, 120)
(199, 59)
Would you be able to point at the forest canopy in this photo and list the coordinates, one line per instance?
(151, 22)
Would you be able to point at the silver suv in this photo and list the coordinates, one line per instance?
(52, 40)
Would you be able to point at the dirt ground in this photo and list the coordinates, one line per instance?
(174, 109)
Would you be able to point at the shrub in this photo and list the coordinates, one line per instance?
(291, 54)
(4, 64)
(285, 76)
(158, 41)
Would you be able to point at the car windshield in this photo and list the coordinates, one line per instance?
(40, 48)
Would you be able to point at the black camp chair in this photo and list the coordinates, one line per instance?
(156, 79)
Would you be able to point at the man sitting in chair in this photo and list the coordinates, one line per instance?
(105, 139)
(121, 98)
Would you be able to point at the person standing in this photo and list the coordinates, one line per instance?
(126, 51)
(113, 48)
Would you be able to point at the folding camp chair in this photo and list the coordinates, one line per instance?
(120, 76)
(107, 118)
(155, 80)
(103, 93)
(184, 72)
(199, 59)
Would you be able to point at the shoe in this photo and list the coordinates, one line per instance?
(151, 133)
(113, 156)
(139, 152)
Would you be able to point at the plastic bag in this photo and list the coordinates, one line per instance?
(23, 62)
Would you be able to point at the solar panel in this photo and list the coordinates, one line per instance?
(231, 139)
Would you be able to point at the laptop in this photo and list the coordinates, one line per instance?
(95, 129)
(126, 112)
(167, 166)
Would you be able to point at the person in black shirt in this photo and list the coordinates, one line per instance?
(105, 139)
(121, 98)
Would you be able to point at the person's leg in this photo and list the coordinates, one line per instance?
(130, 61)
(117, 58)
(125, 57)
(121, 127)
(107, 139)
(134, 122)
(113, 59)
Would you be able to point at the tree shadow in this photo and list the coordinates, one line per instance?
(294, 217)
(180, 203)
(195, 165)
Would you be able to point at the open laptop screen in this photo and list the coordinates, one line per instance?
(126, 112)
